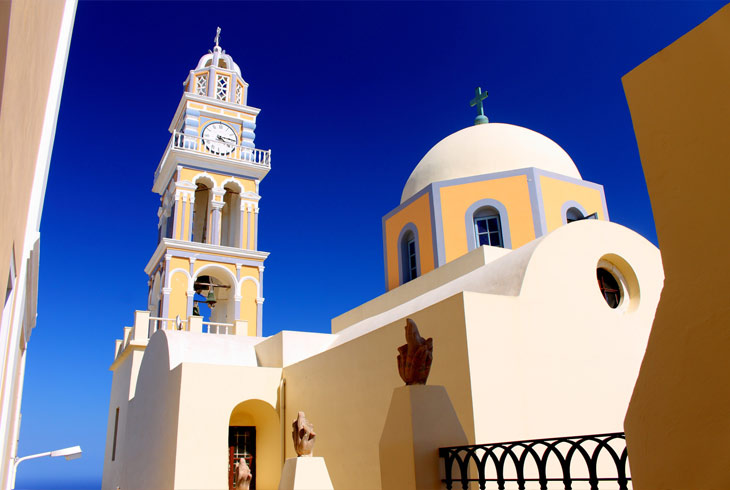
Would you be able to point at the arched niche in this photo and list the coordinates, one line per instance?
(262, 420)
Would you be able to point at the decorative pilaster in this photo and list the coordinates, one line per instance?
(189, 306)
(237, 307)
(166, 302)
(259, 316)
(256, 228)
(166, 290)
(183, 208)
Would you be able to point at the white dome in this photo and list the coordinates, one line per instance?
(220, 59)
(485, 149)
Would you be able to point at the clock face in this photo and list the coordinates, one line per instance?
(219, 138)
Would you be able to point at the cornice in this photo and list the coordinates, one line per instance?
(177, 156)
(168, 246)
(133, 345)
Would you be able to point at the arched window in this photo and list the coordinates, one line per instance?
(231, 216)
(409, 257)
(573, 214)
(488, 227)
(200, 213)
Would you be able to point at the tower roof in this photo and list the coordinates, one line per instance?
(485, 149)
(219, 58)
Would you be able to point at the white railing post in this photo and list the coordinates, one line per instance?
(141, 329)
(195, 324)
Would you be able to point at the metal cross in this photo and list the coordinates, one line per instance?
(478, 100)
(217, 36)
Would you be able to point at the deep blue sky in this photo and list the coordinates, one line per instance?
(352, 96)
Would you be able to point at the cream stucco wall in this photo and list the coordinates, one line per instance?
(523, 342)
(677, 425)
(34, 40)
(346, 391)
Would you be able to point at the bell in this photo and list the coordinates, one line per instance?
(211, 298)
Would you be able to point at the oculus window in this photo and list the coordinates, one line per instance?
(609, 287)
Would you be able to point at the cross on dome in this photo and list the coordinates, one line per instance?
(477, 101)
(217, 36)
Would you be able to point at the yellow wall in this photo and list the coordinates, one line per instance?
(510, 191)
(419, 213)
(677, 425)
(248, 305)
(556, 192)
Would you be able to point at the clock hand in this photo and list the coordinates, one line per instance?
(229, 140)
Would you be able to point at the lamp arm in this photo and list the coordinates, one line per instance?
(32, 456)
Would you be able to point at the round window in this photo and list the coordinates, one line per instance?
(609, 286)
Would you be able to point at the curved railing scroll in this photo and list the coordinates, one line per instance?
(593, 459)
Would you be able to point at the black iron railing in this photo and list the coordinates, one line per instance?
(593, 459)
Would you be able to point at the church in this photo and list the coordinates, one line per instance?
(538, 305)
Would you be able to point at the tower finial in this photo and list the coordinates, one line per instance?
(477, 101)
(217, 36)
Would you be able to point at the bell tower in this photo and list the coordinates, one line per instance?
(208, 180)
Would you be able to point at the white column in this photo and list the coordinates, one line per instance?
(176, 209)
(242, 234)
(166, 290)
(215, 231)
(190, 218)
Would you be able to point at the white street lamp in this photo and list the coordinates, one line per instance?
(69, 453)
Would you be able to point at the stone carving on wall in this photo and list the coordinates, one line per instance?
(415, 356)
(243, 475)
(303, 435)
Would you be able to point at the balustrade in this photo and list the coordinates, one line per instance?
(563, 462)
(239, 153)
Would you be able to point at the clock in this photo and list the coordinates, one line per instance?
(219, 138)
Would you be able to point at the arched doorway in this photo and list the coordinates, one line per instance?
(254, 434)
